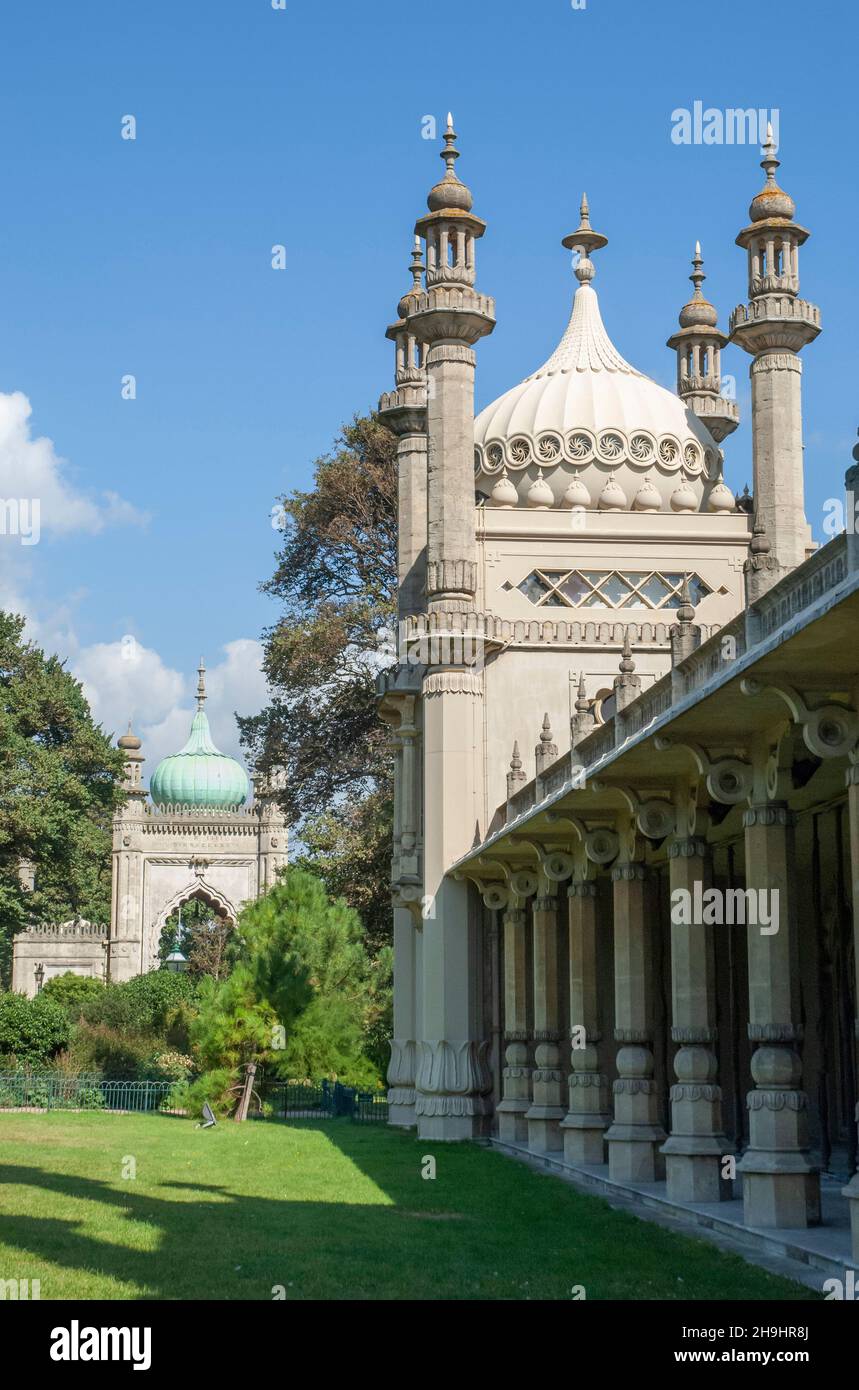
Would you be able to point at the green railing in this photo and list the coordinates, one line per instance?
(26, 1090)
(325, 1100)
(280, 1100)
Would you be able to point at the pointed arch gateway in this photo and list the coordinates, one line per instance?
(204, 892)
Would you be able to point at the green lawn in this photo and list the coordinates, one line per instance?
(330, 1211)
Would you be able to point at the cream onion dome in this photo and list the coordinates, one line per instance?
(647, 499)
(539, 493)
(721, 499)
(612, 498)
(576, 495)
(504, 493)
(683, 499)
(587, 412)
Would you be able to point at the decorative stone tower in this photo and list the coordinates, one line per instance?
(403, 410)
(699, 346)
(195, 839)
(448, 318)
(774, 326)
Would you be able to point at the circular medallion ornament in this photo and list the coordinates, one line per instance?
(519, 452)
(611, 446)
(580, 446)
(642, 448)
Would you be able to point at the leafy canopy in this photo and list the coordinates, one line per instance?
(59, 787)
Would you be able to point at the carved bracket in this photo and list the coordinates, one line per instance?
(829, 730)
(728, 780)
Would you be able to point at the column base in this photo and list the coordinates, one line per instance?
(584, 1138)
(544, 1128)
(634, 1153)
(401, 1116)
(696, 1176)
(512, 1125)
(450, 1129)
(851, 1192)
(779, 1199)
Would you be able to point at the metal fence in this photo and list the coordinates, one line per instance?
(325, 1100)
(30, 1091)
(278, 1100)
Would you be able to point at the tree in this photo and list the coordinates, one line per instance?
(59, 787)
(350, 850)
(336, 578)
(302, 995)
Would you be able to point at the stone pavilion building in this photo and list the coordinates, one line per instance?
(624, 713)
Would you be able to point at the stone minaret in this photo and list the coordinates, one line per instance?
(403, 410)
(699, 346)
(774, 326)
(127, 877)
(449, 318)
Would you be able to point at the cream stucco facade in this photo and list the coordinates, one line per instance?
(577, 580)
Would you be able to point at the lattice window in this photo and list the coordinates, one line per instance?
(609, 588)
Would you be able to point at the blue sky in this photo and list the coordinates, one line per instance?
(303, 126)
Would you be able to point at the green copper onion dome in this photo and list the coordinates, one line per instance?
(199, 775)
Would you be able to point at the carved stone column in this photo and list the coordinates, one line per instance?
(452, 1079)
(635, 1137)
(852, 778)
(589, 1115)
(516, 1077)
(781, 1186)
(402, 1066)
(546, 1111)
(694, 1150)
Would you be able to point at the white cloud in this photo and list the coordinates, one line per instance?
(124, 680)
(31, 469)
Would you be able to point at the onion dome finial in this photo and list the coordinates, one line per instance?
(451, 192)
(698, 311)
(584, 240)
(772, 201)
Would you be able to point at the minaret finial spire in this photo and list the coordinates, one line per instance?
(450, 154)
(201, 684)
(698, 277)
(584, 240)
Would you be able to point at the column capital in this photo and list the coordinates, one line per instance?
(631, 872)
(775, 1032)
(582, 890)
(546, 902)
(693, 1035)
(769, 813)
(687, 847)
(632, 1035)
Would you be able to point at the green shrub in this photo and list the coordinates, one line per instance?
(72, 992)
(32, 1029)
(147, 1004)
(112, 1052)
(214, 1087)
